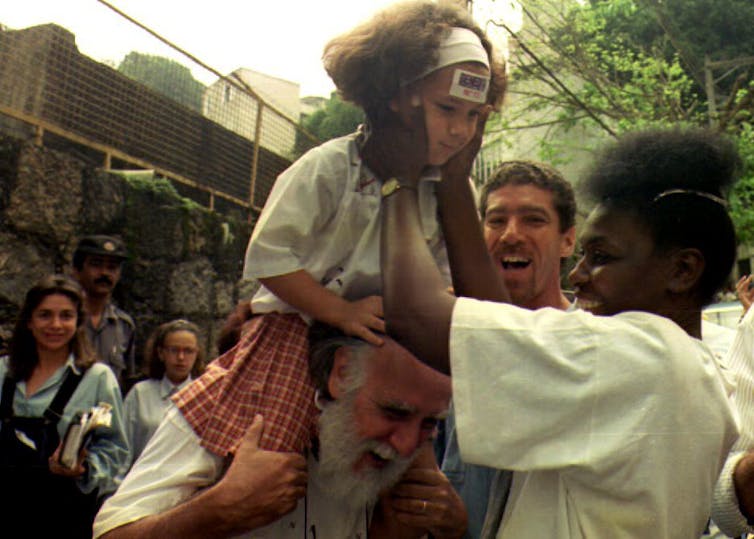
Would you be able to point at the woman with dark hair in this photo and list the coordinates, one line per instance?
(49, 376)
(174, 357)
(615, 417)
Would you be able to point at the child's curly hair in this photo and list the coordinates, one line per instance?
(369, 63)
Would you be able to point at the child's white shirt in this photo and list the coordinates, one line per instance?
(323, 215)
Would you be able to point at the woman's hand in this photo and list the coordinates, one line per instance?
(459, 166)
(59, 469)
(745, 292)
(397, 148)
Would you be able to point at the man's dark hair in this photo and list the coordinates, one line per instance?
(522, 172)
(675, 181)
(324, 341)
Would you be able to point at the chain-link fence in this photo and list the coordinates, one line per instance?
(221, 144)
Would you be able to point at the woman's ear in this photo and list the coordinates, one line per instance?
(337, 378)
(687, 268)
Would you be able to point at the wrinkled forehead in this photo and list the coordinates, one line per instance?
(394, 374)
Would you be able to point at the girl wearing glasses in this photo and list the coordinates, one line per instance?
(174, 357)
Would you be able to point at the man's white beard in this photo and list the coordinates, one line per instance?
(340, 447)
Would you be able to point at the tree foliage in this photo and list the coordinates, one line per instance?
(335, 119)
(619, 65)
(165, 76)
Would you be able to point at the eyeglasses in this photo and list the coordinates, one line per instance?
(177, 350)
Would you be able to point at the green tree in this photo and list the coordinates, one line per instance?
(165, 76)
(335, 119)
(618, 65)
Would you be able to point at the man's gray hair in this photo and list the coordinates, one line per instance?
(324, 341)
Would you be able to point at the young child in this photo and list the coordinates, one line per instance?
(315, 248)
(174, 356)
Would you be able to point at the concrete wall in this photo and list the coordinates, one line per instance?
(185, 261)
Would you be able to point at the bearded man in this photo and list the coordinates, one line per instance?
(379, 406)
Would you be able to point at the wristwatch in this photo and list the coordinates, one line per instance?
(392, 185)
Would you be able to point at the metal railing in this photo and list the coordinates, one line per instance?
(221, 144)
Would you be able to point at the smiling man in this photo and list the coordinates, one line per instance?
(528, 215)
(528, 211)
(379, 405)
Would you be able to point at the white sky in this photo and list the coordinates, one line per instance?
(282, 38)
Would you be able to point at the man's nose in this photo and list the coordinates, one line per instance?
(406, 438)
(512, 231)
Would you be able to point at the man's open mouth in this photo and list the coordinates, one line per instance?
(514, 262)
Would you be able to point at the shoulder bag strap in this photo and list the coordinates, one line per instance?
(6, 403)
(55, 410)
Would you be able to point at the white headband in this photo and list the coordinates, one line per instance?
(461, 45)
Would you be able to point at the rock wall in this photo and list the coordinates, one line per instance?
(185, 261)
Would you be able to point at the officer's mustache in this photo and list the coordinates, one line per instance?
(103, 280)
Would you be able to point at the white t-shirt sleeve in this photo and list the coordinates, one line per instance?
(172, 467)
(304, 198)
(725, 507)
(531, 392)
(740, 361)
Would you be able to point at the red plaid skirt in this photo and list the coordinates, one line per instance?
(266, 373)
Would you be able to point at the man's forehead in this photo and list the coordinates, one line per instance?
(521, 195)
(397, 377)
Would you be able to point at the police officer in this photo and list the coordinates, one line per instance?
(97, 264)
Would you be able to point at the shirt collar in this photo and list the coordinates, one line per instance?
(168, 388)
(71, 362)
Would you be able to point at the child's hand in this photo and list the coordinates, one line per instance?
(360, 317)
